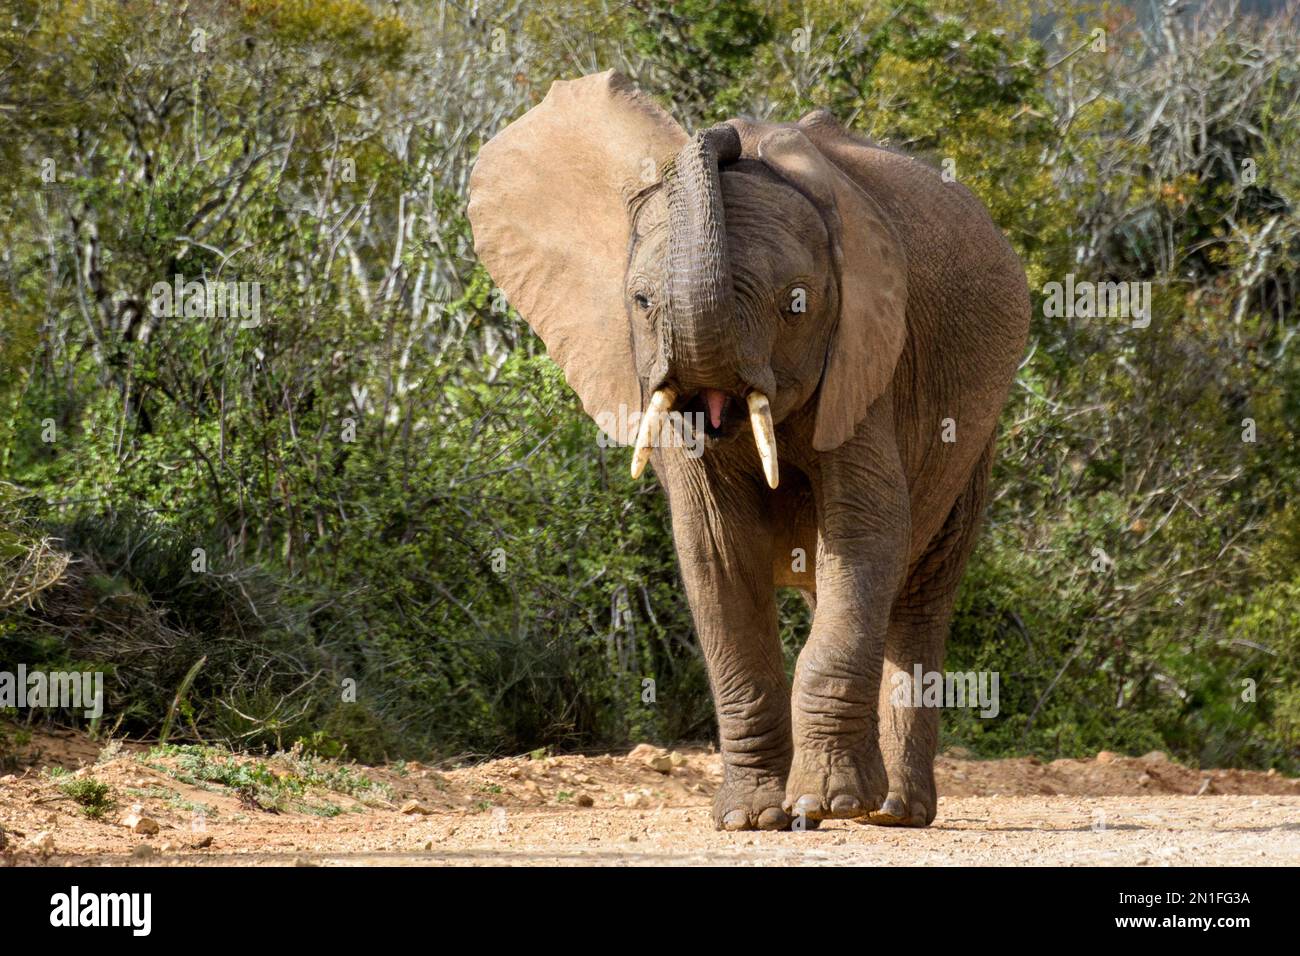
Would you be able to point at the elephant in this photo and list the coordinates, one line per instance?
(845, 325)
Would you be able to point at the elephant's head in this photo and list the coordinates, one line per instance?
(737, 274)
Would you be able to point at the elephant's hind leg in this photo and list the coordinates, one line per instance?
(918, 632)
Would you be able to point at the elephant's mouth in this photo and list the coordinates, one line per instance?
(719, 413)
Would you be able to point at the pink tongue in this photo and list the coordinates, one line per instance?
(716, 400)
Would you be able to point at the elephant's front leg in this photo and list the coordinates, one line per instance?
(863, 537)
(724, 544)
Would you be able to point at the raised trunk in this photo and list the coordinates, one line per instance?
(699, 339)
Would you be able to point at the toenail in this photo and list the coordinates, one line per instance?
(773, 818)
(808, 804)
(735, 820)
(845, 803)
(893, 806)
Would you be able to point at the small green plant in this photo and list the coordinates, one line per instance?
(283, 780)
(321, 744)
(93, 796)
(177, 802)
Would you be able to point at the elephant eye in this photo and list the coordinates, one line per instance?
(642, 301)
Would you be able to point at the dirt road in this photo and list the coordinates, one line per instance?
(72, 802)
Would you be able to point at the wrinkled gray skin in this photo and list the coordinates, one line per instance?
(916, 318)
(890, 515)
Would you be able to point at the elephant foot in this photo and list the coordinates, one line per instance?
(907, 805)
(750, 802)
(835, 786)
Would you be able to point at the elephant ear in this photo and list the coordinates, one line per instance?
(872, 328)
(548, 203)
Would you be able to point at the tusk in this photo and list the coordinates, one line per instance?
(651, 422)
(760, 419)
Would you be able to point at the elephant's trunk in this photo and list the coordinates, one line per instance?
(702, 340)
(699, 337)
